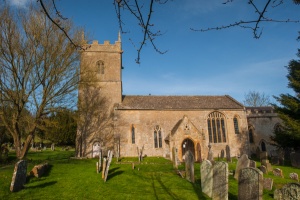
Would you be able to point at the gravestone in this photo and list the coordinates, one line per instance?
(220, 181)
(295, 159)
(263, 155)
(222, 153)
(109, 158)
(268, 183)
(257, 152)
(19, 176)
(206, 172)
(210, 154)
(189, 166)
(100, 160)
(252, 164)
(250, 184)
(267, 164)
(174, 158)
(278, 172)
(263, 169)
(104, 167)
(97, 167)
(39, 170)
(290, 191)
(52, 147)
(242, 163)
(228, 156)
(294, 176)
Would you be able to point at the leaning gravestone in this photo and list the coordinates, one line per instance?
(290, 191)
(100, 160)
(295, 159)
(250, 184)
(109, 158)
(220, 181)
(174, 158)
(19, 176)
(242, 163)
(228, 156)
(189, 166)
(206, 172)
(278, 172)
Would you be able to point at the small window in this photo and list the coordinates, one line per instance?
(236, 125)
(132, 135)
(157, 137)
(100, 67)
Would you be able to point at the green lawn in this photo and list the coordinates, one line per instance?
(154, 178)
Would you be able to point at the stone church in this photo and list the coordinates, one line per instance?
(157, 124)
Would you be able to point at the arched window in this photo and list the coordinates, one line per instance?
(132, 135)
(216, 127)
(263, 146)
(277, 128)
(100, 67)
(236, 125)
(157, 137)
(251, 140)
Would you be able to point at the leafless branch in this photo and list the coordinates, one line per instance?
(254, 24)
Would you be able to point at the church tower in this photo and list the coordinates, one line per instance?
(101, 66)
(100, 88)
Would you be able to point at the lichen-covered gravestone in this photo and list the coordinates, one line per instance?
(250, 184)
(268, 183)
(210, 154)
(206, 172)
(220, 181)
(228, 156)
(263, 169)
(278, 172)
(189, 166)
(252, 164)
(242, 163)
(19, 176)
(290, 191)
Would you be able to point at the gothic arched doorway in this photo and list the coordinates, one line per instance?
(186, 145)
(263, 146)
(96, 149)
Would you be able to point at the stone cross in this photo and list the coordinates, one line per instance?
(220, 181)
(242, 162)
(19, 176)
(287, 192)
(250, 184)
(189, 166)
(206, 172)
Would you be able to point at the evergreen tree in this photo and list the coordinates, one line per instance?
(288, 136)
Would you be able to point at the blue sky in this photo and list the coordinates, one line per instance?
(221, 62)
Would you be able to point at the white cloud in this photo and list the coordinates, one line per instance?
(19, 3)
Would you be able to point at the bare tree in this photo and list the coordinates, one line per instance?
(39, 71)
(256, 99)
(95, 122)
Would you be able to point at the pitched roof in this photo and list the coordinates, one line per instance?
(178, 102)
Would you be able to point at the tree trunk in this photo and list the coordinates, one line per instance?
(26, 146)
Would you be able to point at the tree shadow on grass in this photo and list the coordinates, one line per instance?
(43, 185)
(113, 172)
(198, 190)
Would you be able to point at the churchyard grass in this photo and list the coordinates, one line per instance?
(153, 178)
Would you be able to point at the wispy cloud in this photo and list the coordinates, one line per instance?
(20, 3)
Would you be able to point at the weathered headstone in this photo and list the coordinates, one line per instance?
(252, 164)
(100, 160)
(263, 155)
(220, 181)
(267, 164)
(104, 167)
(52, 147)
(295, 159)
(242, 163)
(290, 191)
(109, 158)
(278, 172)
(39, 170)
(263, 169)
(174, 158)
(210, 154)
(258, 152)
(222, 153)
(228, 156)
(189, 166)
(97, 167)
(19, 176)
(206, 172)
(250, 184)
(268, 183)
(294, 176)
